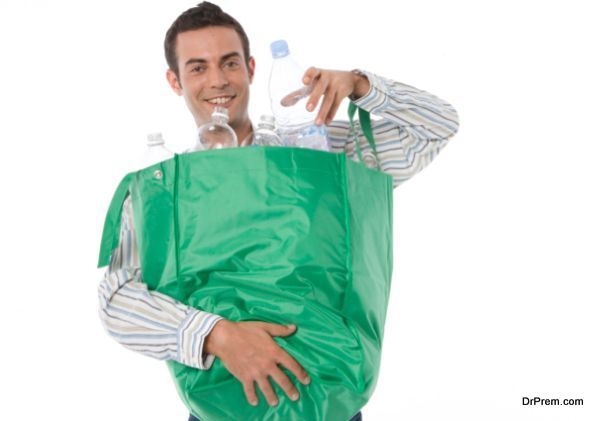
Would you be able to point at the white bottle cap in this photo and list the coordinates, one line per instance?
(221, 112)
(154, 139)
(267, 118)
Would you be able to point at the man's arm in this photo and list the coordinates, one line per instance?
(415, 125)
(161, 327)
(146, 321)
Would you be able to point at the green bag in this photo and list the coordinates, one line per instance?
(280, 235)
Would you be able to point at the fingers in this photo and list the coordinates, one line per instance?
(267, 390)
(332, 86)
(261, 377)
(326, 105)
(257, 358)
(310, 75)
(283, 357)
(293, 97)
(250, 392)
(279, 330)
(336, 104)
(317, 92)
(286, 385)
(295, 368)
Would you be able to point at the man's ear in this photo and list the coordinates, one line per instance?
(174, 82)
(251, 67)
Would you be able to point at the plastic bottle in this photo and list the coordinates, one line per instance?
(216, 134)
(156, 151)
(266, 135)
(288, 102)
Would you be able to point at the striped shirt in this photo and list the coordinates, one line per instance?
(414, 126)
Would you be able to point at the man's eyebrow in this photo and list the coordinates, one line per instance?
(230, 55)
(196, 60)
(204, 61)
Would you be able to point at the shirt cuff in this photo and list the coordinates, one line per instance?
(376, 95)
(191, 334)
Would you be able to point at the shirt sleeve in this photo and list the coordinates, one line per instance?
(414, 126)
(145, 321)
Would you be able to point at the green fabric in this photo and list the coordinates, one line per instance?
(281, 235)
(112, 223)
(365, 125)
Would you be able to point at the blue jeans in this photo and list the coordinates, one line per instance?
(357, 417)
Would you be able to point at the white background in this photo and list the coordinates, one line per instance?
(495, 287)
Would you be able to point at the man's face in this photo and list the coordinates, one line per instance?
(213, 72)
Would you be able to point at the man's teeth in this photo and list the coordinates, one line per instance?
(222, 100)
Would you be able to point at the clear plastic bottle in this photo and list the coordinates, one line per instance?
(266, 135)
(156, 151)
(216, 134)
(288, 102)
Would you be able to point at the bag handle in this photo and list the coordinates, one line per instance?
(112, 222)
(365, 125)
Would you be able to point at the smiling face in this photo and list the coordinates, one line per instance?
(213, 72)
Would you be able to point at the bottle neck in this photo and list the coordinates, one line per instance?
(244, 131)
(266, 126)
(222, 120)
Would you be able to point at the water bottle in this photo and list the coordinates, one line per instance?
(216, 134)
(266, 135)
(288, 102)
(156, 151)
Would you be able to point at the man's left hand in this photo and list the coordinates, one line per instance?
(333, 86)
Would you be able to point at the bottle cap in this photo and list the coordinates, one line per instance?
(279, 48)
(154, 139)
(221, 112)
(267, 119)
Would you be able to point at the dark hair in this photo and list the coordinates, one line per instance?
(203, 15)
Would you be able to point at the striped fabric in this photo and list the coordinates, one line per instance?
(414, 126)
(148, 321)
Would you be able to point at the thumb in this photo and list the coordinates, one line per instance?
(279, 330)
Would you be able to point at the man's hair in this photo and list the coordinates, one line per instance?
(205, 14)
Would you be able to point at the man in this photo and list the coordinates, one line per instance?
(210, 65)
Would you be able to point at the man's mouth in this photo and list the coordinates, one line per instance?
(222, 101)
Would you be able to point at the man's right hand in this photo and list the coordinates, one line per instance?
(249, 352)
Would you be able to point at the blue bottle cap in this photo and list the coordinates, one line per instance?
(279, 48)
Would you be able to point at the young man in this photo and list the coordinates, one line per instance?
(210, 65)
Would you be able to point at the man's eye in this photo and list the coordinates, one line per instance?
(198, 69)
(232, 65)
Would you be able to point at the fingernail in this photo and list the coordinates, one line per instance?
(253, 403)
(306, 380)
(275, 402)
(292, 326)
(295, 396)
(310, 107)
(319, 121)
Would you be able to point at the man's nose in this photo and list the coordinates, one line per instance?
(217, 78)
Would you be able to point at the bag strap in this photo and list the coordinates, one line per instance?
(112, 222)
(365, 125)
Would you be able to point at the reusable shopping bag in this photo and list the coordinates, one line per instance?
(273, 234)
